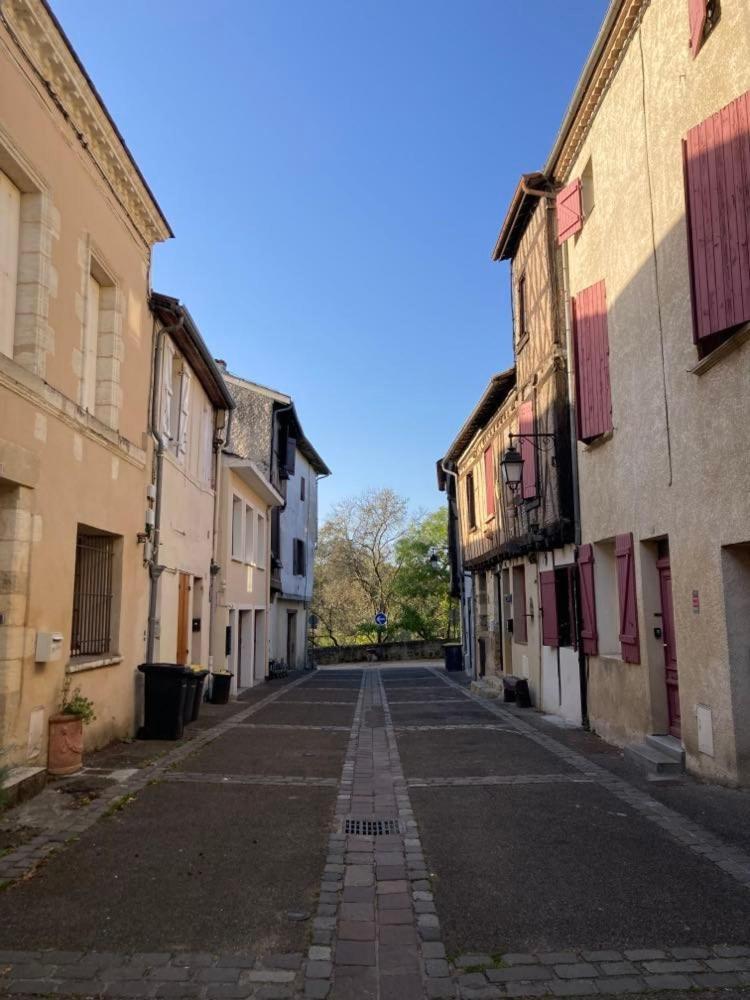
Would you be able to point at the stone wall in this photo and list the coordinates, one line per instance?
(391, 652)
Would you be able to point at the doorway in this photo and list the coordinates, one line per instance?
(182, 653)
(505, 614)
(244, 649)
(498, 637)
(259, 646)
(291, 639)
(668, 640)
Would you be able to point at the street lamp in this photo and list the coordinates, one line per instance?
(512, 466)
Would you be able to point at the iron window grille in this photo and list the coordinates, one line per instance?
(91, 630)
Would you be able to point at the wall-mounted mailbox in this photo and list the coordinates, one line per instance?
(48, 646)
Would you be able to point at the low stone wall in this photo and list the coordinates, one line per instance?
(388, 652)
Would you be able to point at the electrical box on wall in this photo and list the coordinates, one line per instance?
(48, 646)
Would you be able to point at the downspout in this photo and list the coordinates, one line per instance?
(154, 569)
(218, 444)
(582, 661)
(460, 574)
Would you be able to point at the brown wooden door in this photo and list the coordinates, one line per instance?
(183, 612)
(670, 649)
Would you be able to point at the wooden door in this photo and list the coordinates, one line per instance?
(670, 649)
(183, 619)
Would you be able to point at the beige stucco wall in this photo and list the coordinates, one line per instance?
(240, 586)
(700, 501)
(85, 471)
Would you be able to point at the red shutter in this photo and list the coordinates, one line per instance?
(697, 15)
(548, 606)
(591, 348)
(528, 451)
(589, 635)
(489, 480)
(629, 643)
(717, 189)
(569, 211)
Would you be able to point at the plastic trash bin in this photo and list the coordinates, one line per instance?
(221, 685)
(166, 687)
(200, 678)
(453, 657)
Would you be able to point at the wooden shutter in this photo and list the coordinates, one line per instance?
(182, 431)
(548, 607)
(528, 450)
(629, 641)
(591, 348)
(717, 188)
(471, 508)
(589, 634)
(167, 390)
(489, 481)
(569, 211)
(697, 16)
(10, 220)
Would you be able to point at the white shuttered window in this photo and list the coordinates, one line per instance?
(10, 212)
(184, 418)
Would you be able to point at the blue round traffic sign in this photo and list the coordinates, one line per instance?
(381, 619)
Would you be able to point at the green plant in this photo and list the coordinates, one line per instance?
(77, 704)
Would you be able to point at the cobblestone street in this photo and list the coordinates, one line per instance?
(382, 833)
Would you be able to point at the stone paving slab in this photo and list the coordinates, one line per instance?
(471, 752)
(202, 867)
(317, 715)
(261, 751)
(448, 714)
(572, 866)
(321, 695)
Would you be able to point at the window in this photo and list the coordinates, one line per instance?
(528, 451)
(489, 481)
(591, 349)
(606, 599)
(302, 488)
(10, 221)
(93, 598)
(569, 211)
(249, 534)
(260, 544)
(587, 189)
(519, 604)
(523, 333)
(716, 154)
(183, 420)
(471, 508)
(237, 527)
(91, 344)
(299, 557)
(556, 603)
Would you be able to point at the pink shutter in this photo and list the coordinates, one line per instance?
(528, 451)
(569, 211)
(629, 642)
(717, 190)
(489, 480)
(589, 635)
(591, 349)
(697, 16)
(548, 606)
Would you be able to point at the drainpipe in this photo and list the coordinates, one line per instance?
(218, 444)
(572, 402)
(466, 628)
(154, 569)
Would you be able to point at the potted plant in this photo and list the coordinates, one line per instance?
(221, 683)
(65, 751)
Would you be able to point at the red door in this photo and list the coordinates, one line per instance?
(670, 650)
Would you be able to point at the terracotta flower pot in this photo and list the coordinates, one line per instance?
(65, 751)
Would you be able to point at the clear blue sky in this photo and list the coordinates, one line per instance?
(335, 174)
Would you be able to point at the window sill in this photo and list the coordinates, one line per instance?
(728, 347)
(81, 663)
(597, 442)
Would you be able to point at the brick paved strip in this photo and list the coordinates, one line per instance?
(18, 863)
(728, 858)
(248, 779)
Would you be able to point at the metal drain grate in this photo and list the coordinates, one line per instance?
(371, 827)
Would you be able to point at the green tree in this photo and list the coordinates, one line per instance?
(423, 580)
